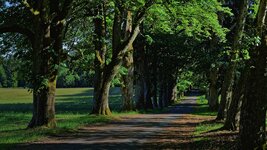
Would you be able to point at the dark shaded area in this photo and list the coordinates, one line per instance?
(107, 146)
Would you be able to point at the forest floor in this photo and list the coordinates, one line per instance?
(178, 128)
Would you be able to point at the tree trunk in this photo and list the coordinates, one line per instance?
(155, 78)
(127, 80)
(213, 91)
(139, 71)
(166, 95)
(44, 106)
(147, 93)
(100, 104)
(226, 96)
(148, 82)
(155, 92)
(253, 111)
(101, 82)
(231, 119)
(226, 91)
(173, 92)
(120, 47)
(127, 83)
(161, 93)
(43, 93)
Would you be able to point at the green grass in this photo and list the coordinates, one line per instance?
(72, 111)
(203, 108)
(205, 127)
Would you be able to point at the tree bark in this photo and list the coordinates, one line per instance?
(139, 71)
(155, 86)
(253, 111)
(213, 90)
(231, 119)
(226, 96)
(161, 92)
(101, 105)
(127, 80)
(127, 83)
(172, 90)
(44, 106)
(101, 88)
(120, 47)
(47, 36)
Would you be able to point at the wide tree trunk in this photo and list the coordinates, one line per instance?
(47, 50)
(100, 104)
(44, 106)
(253, 111)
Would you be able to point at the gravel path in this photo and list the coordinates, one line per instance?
(172, 130)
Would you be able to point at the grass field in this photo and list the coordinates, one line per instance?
(73, 106)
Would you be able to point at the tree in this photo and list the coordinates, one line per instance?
(229, 75)
(127, 79)
(120, 48)
(45, 35)
(253, 110)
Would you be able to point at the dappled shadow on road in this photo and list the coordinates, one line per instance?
(134, 132)
(172, 129)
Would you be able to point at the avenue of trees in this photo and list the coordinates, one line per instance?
(154, 50)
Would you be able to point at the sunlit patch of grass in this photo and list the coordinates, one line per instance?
(203, 108)
(73, 106)
(13, 126)
(206, 127)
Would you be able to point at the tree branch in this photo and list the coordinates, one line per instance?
(17, 29)
(139, 19)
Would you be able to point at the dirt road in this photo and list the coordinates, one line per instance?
(171, 130)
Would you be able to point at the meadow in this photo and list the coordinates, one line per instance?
(73, 106)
